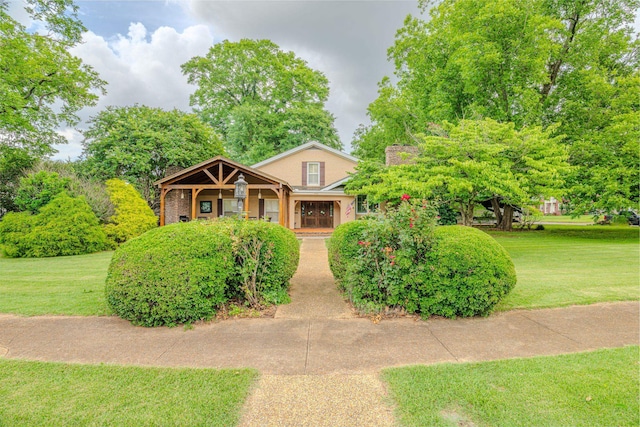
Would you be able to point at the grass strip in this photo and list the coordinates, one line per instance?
(599, 388)
(58, 394)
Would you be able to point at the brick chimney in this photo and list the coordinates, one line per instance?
(400, 154)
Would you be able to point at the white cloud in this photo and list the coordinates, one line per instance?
(139, 68)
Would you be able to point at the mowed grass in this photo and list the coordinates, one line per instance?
(57, 394)
(71, 285)
(566, 265)
(566, 219)
(589, 389)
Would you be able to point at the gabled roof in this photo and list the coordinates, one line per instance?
(230, 162)
(308, 145)
(336, 184)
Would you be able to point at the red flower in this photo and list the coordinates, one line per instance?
(405, 197)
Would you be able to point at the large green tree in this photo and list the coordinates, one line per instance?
(538, 62)
(470, 163)
(139, 143)
(42, 86)
(262, 100)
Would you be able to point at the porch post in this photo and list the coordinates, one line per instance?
(280, 207)
(194, 196)
(163, 193)
(246, 204)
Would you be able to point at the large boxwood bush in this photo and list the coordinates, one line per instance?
(64, 226)
(183, 272)
(170, 275)
(467, 273)
(403, 260)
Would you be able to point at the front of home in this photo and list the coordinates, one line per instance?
(302, 188)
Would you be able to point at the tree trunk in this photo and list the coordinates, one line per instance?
(496, 210)
(507, 219)
(466, 212)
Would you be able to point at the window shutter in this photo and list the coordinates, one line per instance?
(260, 208)
(321, 174)
(304, 174)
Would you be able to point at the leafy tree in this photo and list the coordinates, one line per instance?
(539, 62)
(139, 143)
(42, 87)
(42, 84)
(37, 189)
(260, 99)
(13, 164)
(475, 161)
(132, 216)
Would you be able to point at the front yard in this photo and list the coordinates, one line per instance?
(560, 266)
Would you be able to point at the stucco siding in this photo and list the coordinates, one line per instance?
(289, 168)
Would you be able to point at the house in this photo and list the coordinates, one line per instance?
(300, 188)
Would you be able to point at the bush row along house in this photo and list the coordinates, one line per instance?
(300, 188)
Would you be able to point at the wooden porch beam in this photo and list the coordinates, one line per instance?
(213, 178)
(230, 176)
(218, 186)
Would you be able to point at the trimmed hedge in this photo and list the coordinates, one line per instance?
(343, 246)
(468, 274)
(183, 272)
(267, 256)
(170, 275)
(404, 261)
(65, 226)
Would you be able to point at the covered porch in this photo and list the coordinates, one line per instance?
(206, 191)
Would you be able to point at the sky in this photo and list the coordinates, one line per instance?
(137, 47)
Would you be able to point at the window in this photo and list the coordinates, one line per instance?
(363, 206)
(272, 209)
(230, 207)
(313, 173)
(206, 207)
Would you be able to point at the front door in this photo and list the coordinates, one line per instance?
(316, 214)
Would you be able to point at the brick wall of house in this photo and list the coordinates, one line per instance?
(400, 154)
(175, 205)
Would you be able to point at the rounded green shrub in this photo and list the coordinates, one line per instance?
(467, 274)
(266, 257)
(171, 275)
(132, 216)
(14, 230)
(65, 226)
(343, 247)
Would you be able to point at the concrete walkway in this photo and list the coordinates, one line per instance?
(320, 362)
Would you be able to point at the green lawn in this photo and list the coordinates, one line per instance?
(589, 389)
(57, 394)
(566, 265)
(566, 219)
(71, 285)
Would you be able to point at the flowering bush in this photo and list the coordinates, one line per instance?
(403, 260)
(389, 249)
